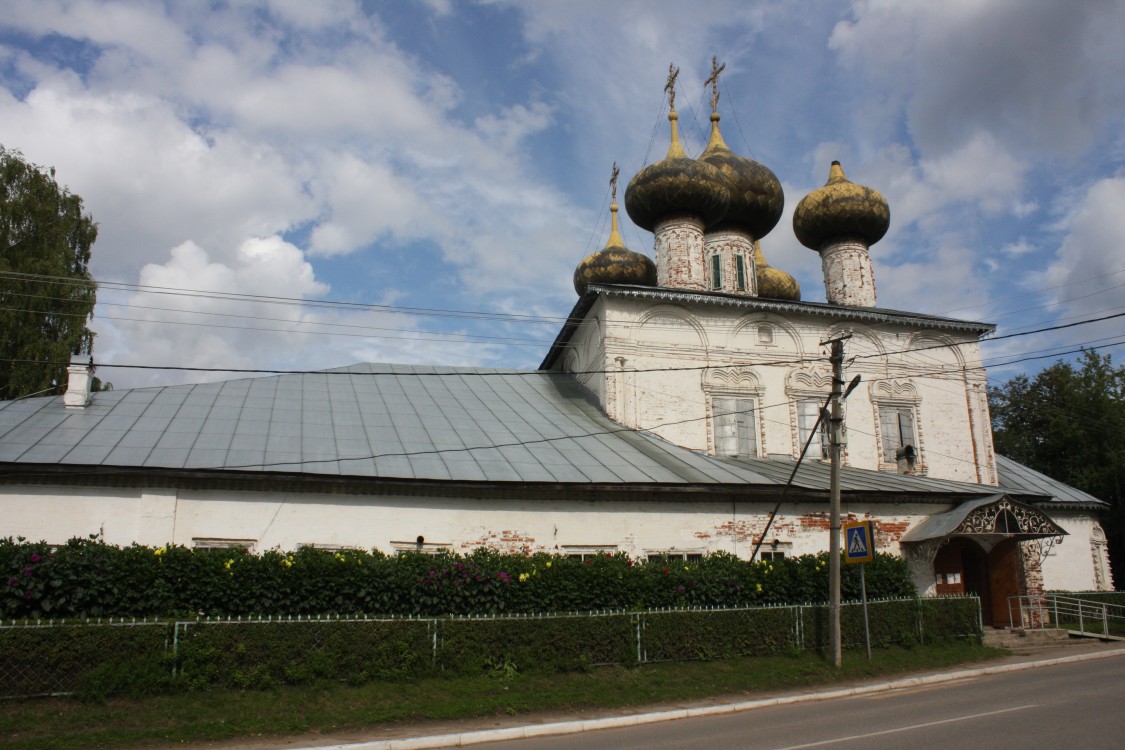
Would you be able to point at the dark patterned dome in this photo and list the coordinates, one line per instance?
(840, 210)
(676, 186)
(614, 264)
(773, 283)
(756, 196)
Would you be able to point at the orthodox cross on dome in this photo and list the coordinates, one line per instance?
(670, 87)
(713, 82)
(613, 182)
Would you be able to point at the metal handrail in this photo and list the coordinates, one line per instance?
(1079, 616)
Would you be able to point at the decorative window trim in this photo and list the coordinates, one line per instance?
(739, 383)
(740, 272)
(716, 272)
(898, 395)
(803, 386)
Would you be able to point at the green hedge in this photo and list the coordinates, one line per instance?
(685, 636)
(536, 644)
(86, 578)
(266, 654)
(101, 659)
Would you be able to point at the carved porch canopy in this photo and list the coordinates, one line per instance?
(986, 520)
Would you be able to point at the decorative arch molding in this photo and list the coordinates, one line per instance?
(869, 337)
(809, 380)
(895, 390)
(753, 326)
(731, 379)
(921, 339)
(674, 317)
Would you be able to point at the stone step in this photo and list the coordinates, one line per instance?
(1021, 638)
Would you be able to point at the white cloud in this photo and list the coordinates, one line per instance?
(1041, 76)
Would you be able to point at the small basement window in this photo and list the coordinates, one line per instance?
(223, 543)
(587, 551)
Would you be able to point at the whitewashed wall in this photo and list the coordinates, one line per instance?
(652, 353)
(287, 520)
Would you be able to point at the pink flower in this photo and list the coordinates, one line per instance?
(35, 557)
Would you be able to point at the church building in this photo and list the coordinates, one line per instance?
(666, 419)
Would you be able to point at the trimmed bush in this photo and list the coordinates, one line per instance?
(87, 578)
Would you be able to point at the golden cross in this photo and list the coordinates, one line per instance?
(670, 87)
(613, 181)
(713, 82)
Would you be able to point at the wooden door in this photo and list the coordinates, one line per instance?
(1004, 581)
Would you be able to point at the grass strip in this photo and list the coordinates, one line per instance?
(68, 723)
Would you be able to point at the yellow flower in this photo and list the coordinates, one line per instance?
(228, 564)
(524, 577)
(548, 563)
(287, 563)
(160, 551)
(758, 587)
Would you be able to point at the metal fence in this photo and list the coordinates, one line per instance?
(63, 657)
(1084, 617)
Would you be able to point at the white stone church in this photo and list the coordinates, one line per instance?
(665, 419)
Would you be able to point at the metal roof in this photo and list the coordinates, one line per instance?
(1016, 475)
(402, 422)
(392, 421)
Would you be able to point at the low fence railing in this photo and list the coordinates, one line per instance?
(1086, 617)
(66, 657)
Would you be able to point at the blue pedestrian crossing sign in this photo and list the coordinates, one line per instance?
(859, 542)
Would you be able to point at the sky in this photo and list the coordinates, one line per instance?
(288, 184)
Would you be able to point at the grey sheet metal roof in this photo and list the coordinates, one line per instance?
(1016, 475)
(400, 421)
(816, 475)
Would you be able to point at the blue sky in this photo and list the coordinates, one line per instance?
(446, 155)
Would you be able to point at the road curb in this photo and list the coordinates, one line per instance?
(466, 739)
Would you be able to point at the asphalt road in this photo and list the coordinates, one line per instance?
(1064, 706)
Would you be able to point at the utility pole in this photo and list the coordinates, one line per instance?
(836, 442)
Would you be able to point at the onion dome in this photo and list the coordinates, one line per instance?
(676, 186)
(614, 263)
(773, 283)
(756, 197)
(841, 210)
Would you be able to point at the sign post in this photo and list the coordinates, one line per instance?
(859, 547)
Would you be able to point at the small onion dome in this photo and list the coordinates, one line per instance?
(773, 283)
(840, 210)
(756, 197)
(676, 186)
(614, 264)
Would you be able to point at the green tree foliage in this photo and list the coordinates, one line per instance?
(46, 292)
(1068, 422)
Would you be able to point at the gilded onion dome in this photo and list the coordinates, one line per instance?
(756, 196)
(678, 185)
(614, 263)
(773, 283)
(841, 210)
